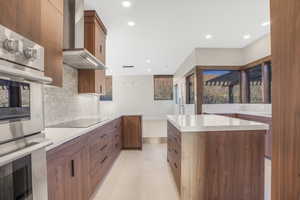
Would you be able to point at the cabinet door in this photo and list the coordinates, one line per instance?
(100, 81)
(52, 40)
(8, 14)
(132, 132)
(76, 177)
(100, 40)
(56, 178)
(269, 143)
(23, 17)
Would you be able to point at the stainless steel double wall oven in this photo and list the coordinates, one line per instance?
(22, 143)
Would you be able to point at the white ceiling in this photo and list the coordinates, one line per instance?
(167, 31)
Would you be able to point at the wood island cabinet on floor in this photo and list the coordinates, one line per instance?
(262, 119)
(227, 165)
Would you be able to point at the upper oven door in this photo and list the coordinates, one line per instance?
(21, 108)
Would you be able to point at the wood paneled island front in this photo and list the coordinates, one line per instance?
(217, 157)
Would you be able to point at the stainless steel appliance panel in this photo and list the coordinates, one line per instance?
(12, 129)
(19, 49)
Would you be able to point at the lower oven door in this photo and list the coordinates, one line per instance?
(21, 108)
(25, 178)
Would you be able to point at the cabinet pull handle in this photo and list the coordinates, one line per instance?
(175, 165)
(100, 48)
(176, 151)
(101, 89)
(103, 160)
(72, 168)
(103, 147)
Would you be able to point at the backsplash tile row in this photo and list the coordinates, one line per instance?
(65, 104)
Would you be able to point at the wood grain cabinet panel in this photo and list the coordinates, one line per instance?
(266, 120)
(132, 132)
(93, 81)
(76, 168)
(8, 14)
(217, 165)
(76, 176)
(56, 178)
(41, 22)
(58, 4)
(23, 17)
(52, 40)
(67, 171)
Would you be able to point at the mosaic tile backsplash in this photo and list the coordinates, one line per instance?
(65, 104)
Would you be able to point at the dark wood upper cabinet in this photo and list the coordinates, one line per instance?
(95, 34)
(41, 22)
(93, 81)
(52, 39)
(132, 132)
(23, 17)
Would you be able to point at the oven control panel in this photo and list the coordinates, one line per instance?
(18, 49)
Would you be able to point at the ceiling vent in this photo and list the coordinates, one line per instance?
(128, 66)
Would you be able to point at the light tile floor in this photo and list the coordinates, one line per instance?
(145, 175)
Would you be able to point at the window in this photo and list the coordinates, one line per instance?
(269, 80)
(176, 94)
(108, 89)
(190, 89)
(221, 86)
(254, 76)
(163, 87)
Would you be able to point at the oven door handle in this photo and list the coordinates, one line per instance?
(24, 75)
(10, 157)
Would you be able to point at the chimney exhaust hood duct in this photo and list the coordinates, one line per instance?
(74, 53)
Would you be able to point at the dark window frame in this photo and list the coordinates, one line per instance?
(190, 89)
(224, 80)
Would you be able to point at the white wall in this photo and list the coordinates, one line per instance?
(135, 95)
(259, 49)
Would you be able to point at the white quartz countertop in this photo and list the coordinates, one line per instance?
(206, 123)
(253, 113)
(59, 136)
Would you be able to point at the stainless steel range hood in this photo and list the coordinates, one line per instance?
(74, 52)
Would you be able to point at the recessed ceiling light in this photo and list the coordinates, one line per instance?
(126, 4)
(131, 23)
(267, 23)
(149, 70)
(208, 36)
(148, 61)
(246, 37)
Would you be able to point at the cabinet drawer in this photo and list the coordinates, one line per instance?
(68, 148)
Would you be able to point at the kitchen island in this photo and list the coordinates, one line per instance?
(217, 157)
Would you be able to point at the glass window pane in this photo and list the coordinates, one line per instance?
(221, 86)
(255, 84)
(190, 89)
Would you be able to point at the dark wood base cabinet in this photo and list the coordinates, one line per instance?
(174, 153)
(215, 165)
(132, 132)
(76, 168)
(266, 120)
